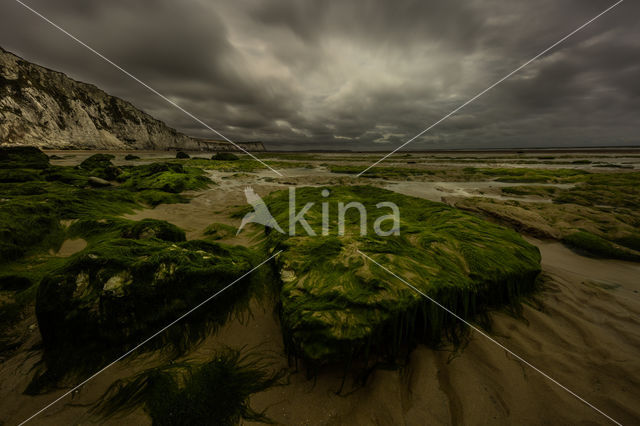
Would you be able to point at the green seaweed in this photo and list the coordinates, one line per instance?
(166, 177)
(41, 198)
(596, 246)
(109, 228)
(22, 157)
(604, 189)
(535, 190)
(213, 393)
(530, 174)
(119, 290)
(336, 306)
(100, 165)
(225, 156)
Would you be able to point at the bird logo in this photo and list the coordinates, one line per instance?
(260, 213)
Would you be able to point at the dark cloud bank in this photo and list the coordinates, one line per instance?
(356, 74)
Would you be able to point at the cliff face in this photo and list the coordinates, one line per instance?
(47, 109)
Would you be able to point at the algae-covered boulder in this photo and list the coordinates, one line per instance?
(24, 222)
(22, 157)
(120, 291)
(130, 157)
(123, 228)
(97, 161)
(100, 165)
(336, 304)
(593, 245)
(182, 155)
(167, 177)
(225, 156)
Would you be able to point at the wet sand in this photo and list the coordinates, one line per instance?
(583, 331)
(70, 247)
(436, 191)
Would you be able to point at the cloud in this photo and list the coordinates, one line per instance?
(363, 74)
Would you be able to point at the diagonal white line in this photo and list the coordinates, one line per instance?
(149, 338)
(476, 329)
(492, 86)
(145, 85)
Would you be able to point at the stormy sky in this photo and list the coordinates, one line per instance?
(357, 74)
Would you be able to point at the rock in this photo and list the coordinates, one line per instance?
(98, 182)
(165, 177)
(122, 290)
(336, 305)
(101, 166)
(225, 156)
(82, 284)
(130, 157)
(182, 155)
(18, 157)
(45, 108)
(97, 161)
(115, 286)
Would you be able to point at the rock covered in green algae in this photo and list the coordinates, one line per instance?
(225, 156)
(41, 197)
(26, 157)
(167, 177)
(100, 165)
(121, 290)
(336, 305)
(97, 161)
(124, 228)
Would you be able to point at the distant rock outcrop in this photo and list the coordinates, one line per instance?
(47, 109)
(216, 145)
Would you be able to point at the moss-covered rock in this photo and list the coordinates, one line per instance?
(130, 157)
(25, 222)
(123, 228)
(182, 155)
(97, 161)
(336, 305)
(100, 165)
(120, 291)
(27, 157)
(41, 198)
(225, 156)
(595, 246)
(167, 177)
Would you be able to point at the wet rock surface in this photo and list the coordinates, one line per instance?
(122, 290)
(336, 305)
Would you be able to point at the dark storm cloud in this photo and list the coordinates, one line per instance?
(362, 74)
